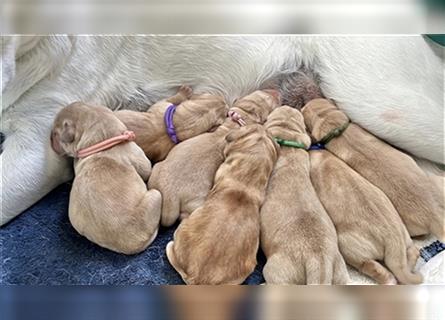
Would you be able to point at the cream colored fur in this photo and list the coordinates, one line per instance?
(109, 201)
(417, 196)
(297, 235)
(194, 115)
(218, 243)
(368, 226)
(186, 176)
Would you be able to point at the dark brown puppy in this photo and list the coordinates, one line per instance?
(218, 243)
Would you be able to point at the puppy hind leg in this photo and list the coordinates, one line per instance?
(318, 270)
(377, 272)
(279, 270)
(412, 254)
(170, 209)
(340, 274)
(183, 94)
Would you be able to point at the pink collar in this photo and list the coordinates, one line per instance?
(235, 116)
(106, 144)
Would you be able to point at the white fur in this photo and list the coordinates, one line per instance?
(391, 86)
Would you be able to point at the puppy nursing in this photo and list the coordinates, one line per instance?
(368, 227)
(187, 116)
(109, 201)
(218, 243)
(186, 176)
(418, 200)
(297, 235)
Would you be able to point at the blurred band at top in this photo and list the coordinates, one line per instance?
(222, 16)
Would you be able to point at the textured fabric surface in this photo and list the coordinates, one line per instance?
(41, 247)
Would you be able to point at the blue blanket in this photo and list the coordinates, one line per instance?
(40, 247)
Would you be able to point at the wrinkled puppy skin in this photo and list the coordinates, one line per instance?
(416, 196)
(297, 235)
(109, 201)
(368, 226)
(194, 115)
(218, 243)
(186, 176)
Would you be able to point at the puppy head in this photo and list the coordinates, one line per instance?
(202, 114)
(79, 125)
(255, 107)
(251, 138)
(287, 123)
(321, 117)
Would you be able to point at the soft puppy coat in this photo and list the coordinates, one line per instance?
(416, 197)
(194, 115)
(186, 176)
(109, 202)
(297, 235)
(368, 226)
(218, 243)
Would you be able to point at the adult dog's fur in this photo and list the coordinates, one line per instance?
(417, 198)
(368, 226)
(191, 118)
(109, 201)
(297, 235)
(392, 86)
(186, 176)
(218, 243)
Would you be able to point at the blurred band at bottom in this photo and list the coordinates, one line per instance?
(223, 302)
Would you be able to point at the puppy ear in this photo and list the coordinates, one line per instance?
(68, 132)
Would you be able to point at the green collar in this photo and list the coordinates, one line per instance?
(334, 133)
(290, 143)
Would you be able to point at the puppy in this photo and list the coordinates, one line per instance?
(218, 243)
(368, 226)
(109, 202)
(193, 116)
(419, 201)
(186, 176)
(297, 235)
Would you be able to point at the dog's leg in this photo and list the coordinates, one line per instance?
(183, 94)
(378, 272)
(29, 167)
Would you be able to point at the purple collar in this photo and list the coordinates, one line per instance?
(168, 120)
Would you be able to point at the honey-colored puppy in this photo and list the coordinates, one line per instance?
(297, 235)
(193, 116)
(218, 243)
(417, 198)
(368, 226)
(109, 201)
(186, 176)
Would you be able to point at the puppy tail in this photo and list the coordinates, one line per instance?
(397, 261)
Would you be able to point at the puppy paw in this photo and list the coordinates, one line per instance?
(186, 91)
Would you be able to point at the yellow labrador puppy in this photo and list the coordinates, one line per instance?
(218, 243)
(109, 201)
(173, 120)
(368, 226)
(419, 201)
(186, 176)
(297, 235)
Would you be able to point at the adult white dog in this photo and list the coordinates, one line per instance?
(392, 86)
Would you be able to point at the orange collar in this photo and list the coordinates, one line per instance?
(106, 144)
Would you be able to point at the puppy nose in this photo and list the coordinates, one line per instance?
(274, 93)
